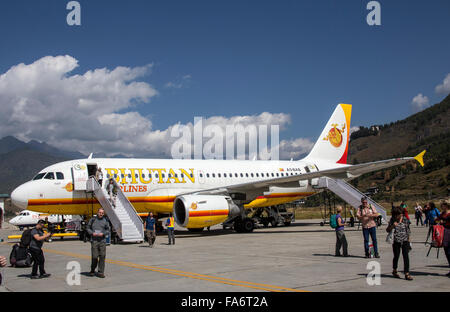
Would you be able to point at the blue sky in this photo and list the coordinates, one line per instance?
(229, 58)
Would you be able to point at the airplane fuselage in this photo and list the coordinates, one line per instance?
(153, 184)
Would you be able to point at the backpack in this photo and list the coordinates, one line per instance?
(25, 240)
(333, 221)
(20, 257)
(438, 236)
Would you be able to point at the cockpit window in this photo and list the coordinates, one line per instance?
(50, 176)
(39, 176)
(60, 176)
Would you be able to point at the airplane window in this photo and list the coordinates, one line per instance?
(213, 175)
(129, 175)
(136, 175)
(207, 175)
(176, 175)
(201, 175)
(121, 176)
(251, 174)
(39, 176)
(236, 175)
(50, 176)
(107, 175)
(246, 175)
(273, 174)
(156, 175)
(257, 175)
(170, 175)
(278, 174)
(115, 176)
(224, 175)
(191, 175)
(242, 175)
(60, 176)
(218, 175)
(182, 175)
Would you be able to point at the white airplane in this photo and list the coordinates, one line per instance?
(27, 218)
(201, 193)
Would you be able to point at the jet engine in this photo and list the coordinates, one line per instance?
(199, 211)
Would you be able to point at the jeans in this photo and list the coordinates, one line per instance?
(396, 247)
(38, 261)
(419, 218)
(373, 234)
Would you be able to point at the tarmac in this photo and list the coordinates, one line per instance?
(295, 258)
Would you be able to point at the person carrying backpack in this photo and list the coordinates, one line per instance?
(444, 218)
(37, 240)
(341, 241)
(431, 216)
(367, 215)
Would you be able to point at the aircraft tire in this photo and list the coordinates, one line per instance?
(247, 225)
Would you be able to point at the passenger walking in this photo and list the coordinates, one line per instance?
(112, 192)
(401, 241)
(37, 240)
(418, 214)
(367, 215)
(432, 215)
(149, 225)
(170, 230)
(444, 218)
(404, 207)
(98, 228)
(341, 240)
(99, 176)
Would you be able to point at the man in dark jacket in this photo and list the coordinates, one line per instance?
(37, 240)
(98, 228)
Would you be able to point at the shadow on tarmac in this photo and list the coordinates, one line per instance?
(331, 255)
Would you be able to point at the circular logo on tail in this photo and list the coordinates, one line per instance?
(335, 135)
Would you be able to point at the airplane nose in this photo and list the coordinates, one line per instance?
(19, 197)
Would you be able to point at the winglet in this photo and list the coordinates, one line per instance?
(419, 157)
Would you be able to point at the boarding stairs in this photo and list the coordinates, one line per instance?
(348, 193)
(124, 218)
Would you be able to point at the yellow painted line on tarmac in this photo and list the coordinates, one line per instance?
(208, 278)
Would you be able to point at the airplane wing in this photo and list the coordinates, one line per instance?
(256, 188)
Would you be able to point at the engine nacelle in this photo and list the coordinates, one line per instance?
(198, 211)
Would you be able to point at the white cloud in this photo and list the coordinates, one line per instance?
(85, 112)
(444, 87)
(179, 83)
(420, 102)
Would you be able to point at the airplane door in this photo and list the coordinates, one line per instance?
(312, 168)
(80, 176)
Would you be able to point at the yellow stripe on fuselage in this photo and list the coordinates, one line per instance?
(145, 204)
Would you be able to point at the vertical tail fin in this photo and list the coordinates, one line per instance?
(332, 144)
